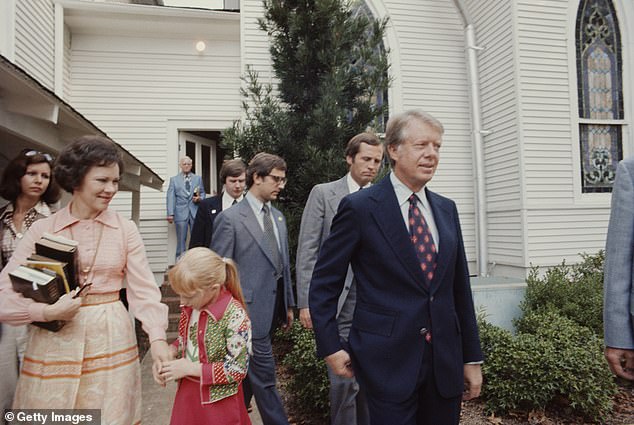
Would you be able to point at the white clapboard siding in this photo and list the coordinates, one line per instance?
(559, 226)
(66, 71)
(35, 39)
(506, 238)
(254, 43)
(542, 30)
(562, 234)
(131, 92)
(493, 22)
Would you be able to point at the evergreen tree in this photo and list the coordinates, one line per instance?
(330, 65)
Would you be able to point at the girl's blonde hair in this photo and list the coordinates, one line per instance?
(201, 268)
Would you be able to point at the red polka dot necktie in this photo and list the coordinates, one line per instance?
(422, 239)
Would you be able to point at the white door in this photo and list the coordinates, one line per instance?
(202, 151)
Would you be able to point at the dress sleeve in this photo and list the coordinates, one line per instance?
(144, 295)
(14, 308)
(234, 366)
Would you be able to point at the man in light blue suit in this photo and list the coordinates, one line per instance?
(184, 192)
(363, 155)
(253, 233)
(618, 309)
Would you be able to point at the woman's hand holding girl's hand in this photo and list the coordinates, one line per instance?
(177, 369)
(156, 373)
(64, 309)
(160, 350)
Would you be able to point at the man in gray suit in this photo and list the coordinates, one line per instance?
(618, 285)
(254, 235)
(364, 153)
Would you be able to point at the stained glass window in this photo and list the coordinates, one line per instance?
(599, 79)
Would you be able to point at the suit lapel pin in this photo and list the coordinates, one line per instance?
(279, 218)
(213, 211)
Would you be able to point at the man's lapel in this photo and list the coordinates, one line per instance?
(337, 192)
(387, 214)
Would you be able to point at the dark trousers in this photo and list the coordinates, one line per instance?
(260, 383)
(424, 407)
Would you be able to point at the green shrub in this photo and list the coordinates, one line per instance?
(308, 380)
(575, 292)
(552, 358)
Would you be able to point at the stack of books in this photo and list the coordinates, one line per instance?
(48, 274)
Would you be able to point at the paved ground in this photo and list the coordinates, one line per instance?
(158, 401)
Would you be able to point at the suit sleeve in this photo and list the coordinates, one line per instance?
(223, 239)
(309, 242)
(202, 192)
(617, 317)
(170, 197)
(330, 275)
(199, 230)
(463, 298)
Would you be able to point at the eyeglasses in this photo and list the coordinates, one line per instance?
(46, 156)
(278, 179)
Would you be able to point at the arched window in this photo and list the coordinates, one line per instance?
(600, 88)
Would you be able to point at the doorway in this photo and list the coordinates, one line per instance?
(202, 151)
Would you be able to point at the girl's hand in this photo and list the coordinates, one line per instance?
(177, 369)
(173, 352)
(64, 309)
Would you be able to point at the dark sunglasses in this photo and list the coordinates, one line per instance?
(46, 156)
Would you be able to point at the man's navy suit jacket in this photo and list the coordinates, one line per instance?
(203, 228)
(394, 304)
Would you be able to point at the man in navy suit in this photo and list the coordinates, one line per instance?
(414, 344)
(254, 234)
(233, 177)
(184, 192)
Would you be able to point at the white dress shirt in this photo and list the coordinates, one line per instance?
(402, 195)
(227, 200)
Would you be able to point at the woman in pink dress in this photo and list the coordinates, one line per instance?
(213, 344)
(92, 362)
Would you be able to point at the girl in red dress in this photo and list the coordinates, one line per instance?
(213, 344)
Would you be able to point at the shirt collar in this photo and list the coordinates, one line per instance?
(217, 308)
(65, 219)
(353, 186)
(41, 208)
(403, 192)
(228, 199)
(255, 203)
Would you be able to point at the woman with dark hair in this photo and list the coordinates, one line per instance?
(28, 185)
(92, 362)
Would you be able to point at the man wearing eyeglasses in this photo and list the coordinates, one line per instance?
(253, 233)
